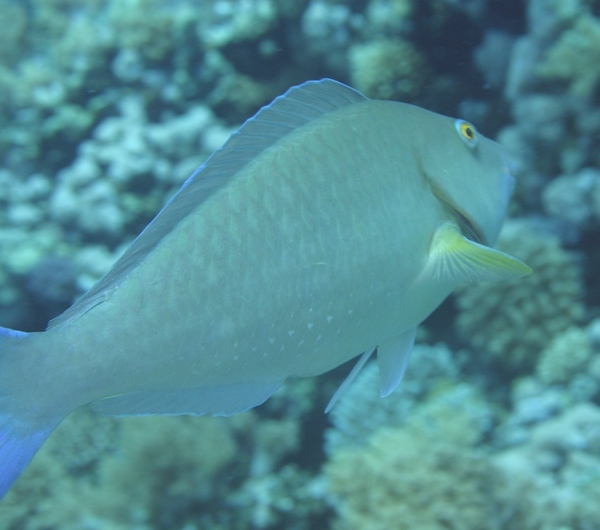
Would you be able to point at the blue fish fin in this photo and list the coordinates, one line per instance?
(299, 106)
(18, 446)
(19, 439)
(393, 358)
(350, 378)
(223, 400)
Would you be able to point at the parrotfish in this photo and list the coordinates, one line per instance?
(328, 226)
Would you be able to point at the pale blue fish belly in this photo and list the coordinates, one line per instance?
(320, 244)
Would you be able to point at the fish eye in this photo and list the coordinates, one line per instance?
(467, 132)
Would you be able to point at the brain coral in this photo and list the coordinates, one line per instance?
(516, 320)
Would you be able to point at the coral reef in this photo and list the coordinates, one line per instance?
(574, 199)
(513, 322)
(360, 410)
(107, 106)
(575, 56)
(567, 373)
(160, 472)
(565, 355)
(428, 474)
(387, 69)
(554, 480)
(158, 460)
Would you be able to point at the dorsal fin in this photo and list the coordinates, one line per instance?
(297, 107)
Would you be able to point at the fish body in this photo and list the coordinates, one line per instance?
(328, 226)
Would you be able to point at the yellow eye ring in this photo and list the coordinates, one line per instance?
(467, 132)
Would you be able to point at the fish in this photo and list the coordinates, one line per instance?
(328, 227)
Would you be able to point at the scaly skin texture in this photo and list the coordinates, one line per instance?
(307, 258)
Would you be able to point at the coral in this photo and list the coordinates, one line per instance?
(156, 35)
(565, 356)
(532, 402)
(553, 62)
(116, 184)
(290, 498)
(13, 25)
(387, 69)
(163, 464)
(160, 472)
(240, 92)
(547, 18)
(492, 57)
(236, 20)
(567, 373)
(44, 497)
(52, 493)
(23, 249)
(384, 16)
(553, 481)
(575, 57)
(127, 150)
(327, 27)
(83, 439)
(514, 321)
(79, 478)
(574, 198)
(294, 399)
(541, 118)
(431, 473)
(330, 29)
(273, 440)
(428, 474)
(520, 76)
(361, 411)
(107, 106)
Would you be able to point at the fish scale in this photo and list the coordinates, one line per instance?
(327, 227)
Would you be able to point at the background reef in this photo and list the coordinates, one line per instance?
(107, 106)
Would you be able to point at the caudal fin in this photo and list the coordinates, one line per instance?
(19, 438)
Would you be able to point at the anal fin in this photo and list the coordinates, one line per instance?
(223, 400)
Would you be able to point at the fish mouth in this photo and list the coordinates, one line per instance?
(468, 227)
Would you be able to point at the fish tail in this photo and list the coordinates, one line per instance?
(20, 437)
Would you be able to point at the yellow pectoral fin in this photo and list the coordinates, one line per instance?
(454, 258)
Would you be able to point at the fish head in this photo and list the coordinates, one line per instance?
(469, 173)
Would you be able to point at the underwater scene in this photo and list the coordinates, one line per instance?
(108, 106)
